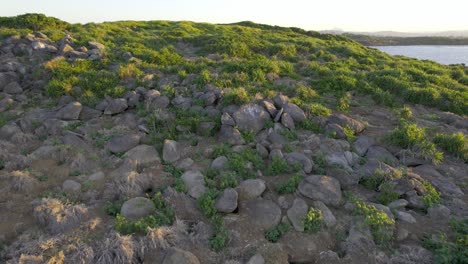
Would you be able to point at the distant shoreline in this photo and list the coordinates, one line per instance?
(407, 41)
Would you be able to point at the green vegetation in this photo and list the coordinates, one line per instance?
(451, 250)
(432, 196)
(457, 144)
(275, 233)
(113, 209)
(290, 185)
(277, 166)
(164, 215)
(380, 224)
(387, 194)
(313, 221)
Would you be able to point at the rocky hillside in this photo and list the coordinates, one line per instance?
(179, 142)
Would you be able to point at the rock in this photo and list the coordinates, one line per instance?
(195, 183)
(96, 45)
(405, 217)
(97, 176)
(264, 214)
(178, 256)
(276, 153)
(344, 121)
(171, 152)
(13, 88)
(327, 215)
(5, 104)
(322, 188)
(208, 98)
(88, 113)
(287, 121)
(280, 100)
(6, 78)
(279, 113)
(359, 246)
(182, 102)
(338, 159)
(251, 188)
(230, 135)
(335, 130)
(161, 102)
(251, 117)
(401, 234)
(123, 143)
(256, 259)
(414, 201)
(445, 185)
(408, 254)
(70, 112)
(362, 144)
(299, 158)
(381, 154)
(116, 106)
(144, 155)
(439, 213)
(261, 150)
(206, 128)
(328, 257)
(345, 178)
(219, 163)
(296, 113)
(227, 201)
(137, 208)
(270, 108)
(226, 119)
(398, 204)
(71, 186)
(297, 214)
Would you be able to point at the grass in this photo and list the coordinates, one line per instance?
(432, 196)
(290, 185)
(313, 221)
(450, 250)
(380, 224)
(275, 233)
(277, 166)
(113, 208)
(387, 194)
(456, 144)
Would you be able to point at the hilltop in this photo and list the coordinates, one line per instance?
(182, 142)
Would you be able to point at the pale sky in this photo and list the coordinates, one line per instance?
(350, 15)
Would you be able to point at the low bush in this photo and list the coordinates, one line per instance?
(290, 185)
(277, 166)
(380, 224)
(313, 221)
(275, 233)
(456, 144)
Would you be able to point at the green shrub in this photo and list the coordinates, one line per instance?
(313, 221)
(406, 112)
(227, 180)
(318, 110)
(220, 236)
(206, 202)
(275, 233)
(432, 196)
(387, 193)
(113, 209)
(457, 144)
(277, 166)
(349, 132)
(290, 185)
(380, 224)
(450, 251)
(221, 150)
(343, 102)
(289, 134)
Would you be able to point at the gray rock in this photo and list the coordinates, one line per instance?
(226, 119)
(264, 214)
(338, 159)
(171, 152)
(5, 104)
(261, 150)
(398, 204)
(328, 257)
(184, 164)
(381, 154)
(137, 208)
(182, 102)
(287, 121)
(276, 153)
(161, 102)
(251, 188)
(299, 158)
(208, 98)
(336, 130)
(116, 106)
(345, 178)
(96, 45)
(178, 256)
(70, 112)
(405, 217)
(280, 100)
(362, 144)
(322, 188)
(88, 113)
(270, 107)
(230, 135)
(279, 113)
(71, 186)
(227, 201)
(439, 213)
(123, 143)
(344, 121)
(401, 234)
(195, 183)
(296, 113)
(327, 215)
(219, 163)
(251, 117)
(206, 128)
(13, 88)
(97, 176)
(6, 78)
(297, 214)
(256, 259)
(445, 185)
(360, 246)
(407, 254)
(144, 155)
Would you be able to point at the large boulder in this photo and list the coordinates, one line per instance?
(443, 184)
(195, 183)
(381, 154)
(251, 188)
(171, 152)
(297, 214)
(264, 214)
(70, 111)
(116, 106)
(227, 201)
(144, 155)
(362, 144)
(137, 208)
(344, 121)
(123, 143)
(322, 188)
(296, 113)
(301, 159)
(251, 117)
(230, 135)
(178, 256)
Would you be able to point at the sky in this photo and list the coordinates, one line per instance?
(349, 15)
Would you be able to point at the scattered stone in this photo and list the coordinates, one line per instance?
(344, 121)
(401, 234)
(227, 201)
(264, 214)
(405, 217)
(97, 176)
(296, 113)
(251, 117)
(144, 155)
(13, 88)
(116, 106)
(251, 188)
(327, 215)
(398, 204)
(219, 163)
(287, 121)
(297, 214)
(171, 152)
(362, 144)
(270, 107)
(178, 256)
(299, 158)
(71, 186)
(70, 112)
(381, 154)
(261, 150)
(322, 188)
(439, 213)
(137, 207)
(230, 135)
(123, 143)
(195, 183)
(226, 119)
(280, 100)
(256, 259)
